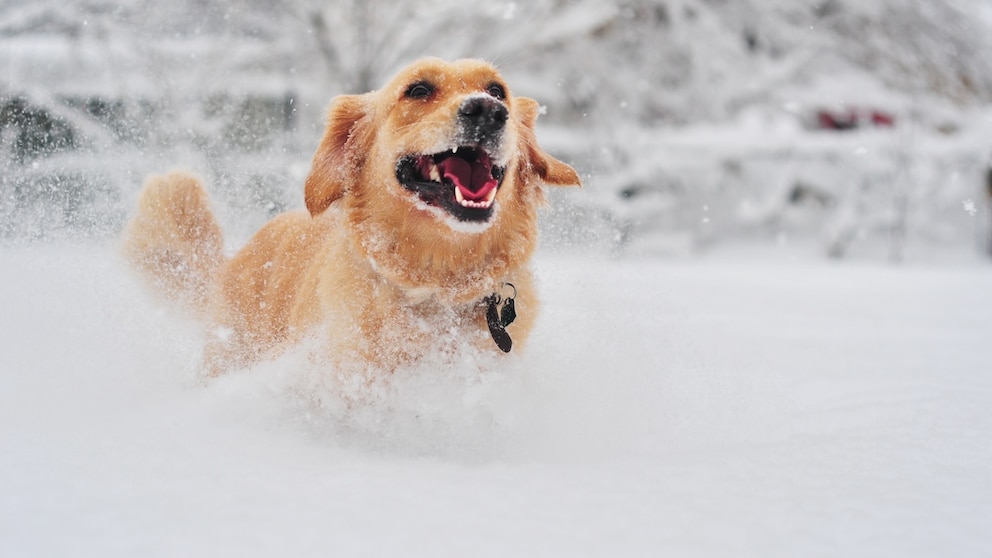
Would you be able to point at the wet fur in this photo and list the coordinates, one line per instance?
(368, 268)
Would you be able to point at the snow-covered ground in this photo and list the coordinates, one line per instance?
(712, 407)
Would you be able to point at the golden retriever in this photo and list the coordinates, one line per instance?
(422, 207)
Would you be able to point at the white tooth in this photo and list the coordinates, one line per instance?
(435, 175)
(459, 196)
(491, 196)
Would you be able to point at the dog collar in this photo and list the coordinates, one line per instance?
(498, 318)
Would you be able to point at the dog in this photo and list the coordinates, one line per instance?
(422, 204)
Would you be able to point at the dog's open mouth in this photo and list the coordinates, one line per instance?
(462, 181)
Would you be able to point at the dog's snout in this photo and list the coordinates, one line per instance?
(483, 115)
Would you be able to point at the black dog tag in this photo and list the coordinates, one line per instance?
(496, 327)
(508, 313)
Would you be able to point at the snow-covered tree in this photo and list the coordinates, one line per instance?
(237, 88)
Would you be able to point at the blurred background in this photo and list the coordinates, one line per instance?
(837, 128)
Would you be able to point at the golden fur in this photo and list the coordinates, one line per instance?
(371, 268)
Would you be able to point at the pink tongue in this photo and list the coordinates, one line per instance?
(475, 180)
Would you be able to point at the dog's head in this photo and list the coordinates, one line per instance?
(447, 138)
(438, 176)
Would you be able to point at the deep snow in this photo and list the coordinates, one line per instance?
(714, 407)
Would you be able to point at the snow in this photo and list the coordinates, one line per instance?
(732, 405)
(739, 398)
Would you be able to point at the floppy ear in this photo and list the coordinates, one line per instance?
(551, 171)
(340, 155)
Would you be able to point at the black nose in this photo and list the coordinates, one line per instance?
(481, 117)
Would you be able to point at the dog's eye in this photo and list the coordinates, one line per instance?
(419, 90)
(497, 91)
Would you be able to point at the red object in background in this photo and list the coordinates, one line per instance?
(882, 119)
(853, 118)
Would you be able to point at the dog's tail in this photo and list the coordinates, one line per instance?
(174, 240)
